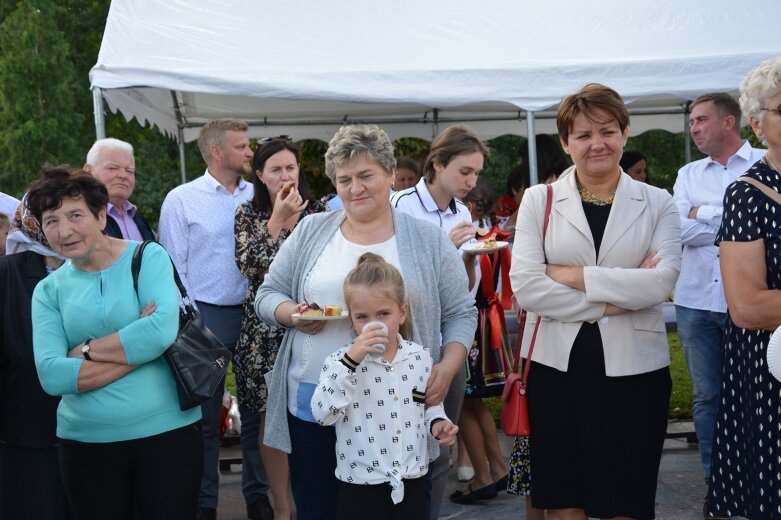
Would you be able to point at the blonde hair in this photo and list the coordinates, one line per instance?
(213, 133)
(372, 271)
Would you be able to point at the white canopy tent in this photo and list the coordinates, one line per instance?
(304, 68)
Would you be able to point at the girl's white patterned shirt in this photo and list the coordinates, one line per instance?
(382, 423)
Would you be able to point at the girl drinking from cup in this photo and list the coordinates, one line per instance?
(373, 389)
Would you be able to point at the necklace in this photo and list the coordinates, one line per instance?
(771, 164)
(589, 197)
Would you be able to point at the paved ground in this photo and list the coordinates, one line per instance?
(679, 494)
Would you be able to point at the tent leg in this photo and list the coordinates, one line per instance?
(182, 164)
(100, 122)
(687, 138)
(531, 141)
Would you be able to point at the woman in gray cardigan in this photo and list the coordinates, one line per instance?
(310, 268)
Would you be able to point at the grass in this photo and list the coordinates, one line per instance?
(681, 397)
(680, 400)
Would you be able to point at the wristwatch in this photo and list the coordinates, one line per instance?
(85, 350)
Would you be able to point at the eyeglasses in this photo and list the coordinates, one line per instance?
(265, 140)
(777, 110)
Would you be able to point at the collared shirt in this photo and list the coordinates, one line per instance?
(196, 227)
(702, 184)
(378, 407)
(127, 226)
(418, 202)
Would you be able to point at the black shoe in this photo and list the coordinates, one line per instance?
(501, 484)
(473, 496)
(707, 515)
(206, 513)
(260, 509)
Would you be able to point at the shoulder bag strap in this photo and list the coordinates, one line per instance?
(764, 188)
(135, 268)
(522, 312)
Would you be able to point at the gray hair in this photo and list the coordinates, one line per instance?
(760, 84)
(213, 132)
(109, 143)
(353, 141)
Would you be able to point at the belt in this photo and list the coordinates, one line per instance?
(237, 306)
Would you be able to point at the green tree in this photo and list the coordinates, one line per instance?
(38, 95)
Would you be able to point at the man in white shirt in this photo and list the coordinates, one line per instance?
(196, 227)
(699, 295)
(111, 162)
(456, 159)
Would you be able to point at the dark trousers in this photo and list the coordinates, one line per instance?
(254, 483)
(159, 475)
(312, 469)
(357, 502)
(30, 484)
(225, 323)
(439, 468)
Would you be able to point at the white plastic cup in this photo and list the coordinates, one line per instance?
(379, 346)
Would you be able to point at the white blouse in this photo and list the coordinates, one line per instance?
(382, 423)
(323, 286)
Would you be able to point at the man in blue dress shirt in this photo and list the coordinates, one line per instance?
(196, 227)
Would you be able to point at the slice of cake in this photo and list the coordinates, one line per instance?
(333, 310)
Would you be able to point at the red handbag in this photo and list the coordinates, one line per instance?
(515, 409)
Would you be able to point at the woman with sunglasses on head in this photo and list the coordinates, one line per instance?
(262, 224)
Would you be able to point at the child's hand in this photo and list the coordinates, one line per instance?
(445, 432)
(364, 344)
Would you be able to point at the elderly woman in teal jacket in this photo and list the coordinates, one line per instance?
(311, 266)
(124, 442)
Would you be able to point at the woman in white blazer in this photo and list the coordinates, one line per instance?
(599, 385)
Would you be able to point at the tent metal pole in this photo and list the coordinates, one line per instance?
(97, 108)
(182, 164)
(181, 124)
(531, 141)
(687, 138)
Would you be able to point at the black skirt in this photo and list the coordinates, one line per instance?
(596, 441)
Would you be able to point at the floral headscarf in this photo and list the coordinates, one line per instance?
(26, 233)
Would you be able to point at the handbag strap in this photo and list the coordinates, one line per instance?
(764, 188)
(135, 268)
(522, 312)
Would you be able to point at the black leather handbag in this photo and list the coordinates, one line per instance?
(198, 360)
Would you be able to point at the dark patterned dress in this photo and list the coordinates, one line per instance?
(257, 347)
(746, 464)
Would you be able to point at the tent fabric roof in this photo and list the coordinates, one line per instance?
(302, 68)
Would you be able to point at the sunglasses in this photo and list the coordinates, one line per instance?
(777, 110)
(265, 140)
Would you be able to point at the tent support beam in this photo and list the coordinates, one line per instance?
(687, 138)
(97, 108)
(180, 134)
(182, 164)
(435, 120)
(531, 142)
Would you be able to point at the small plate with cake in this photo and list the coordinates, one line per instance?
(483, 247)
(313, 312)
